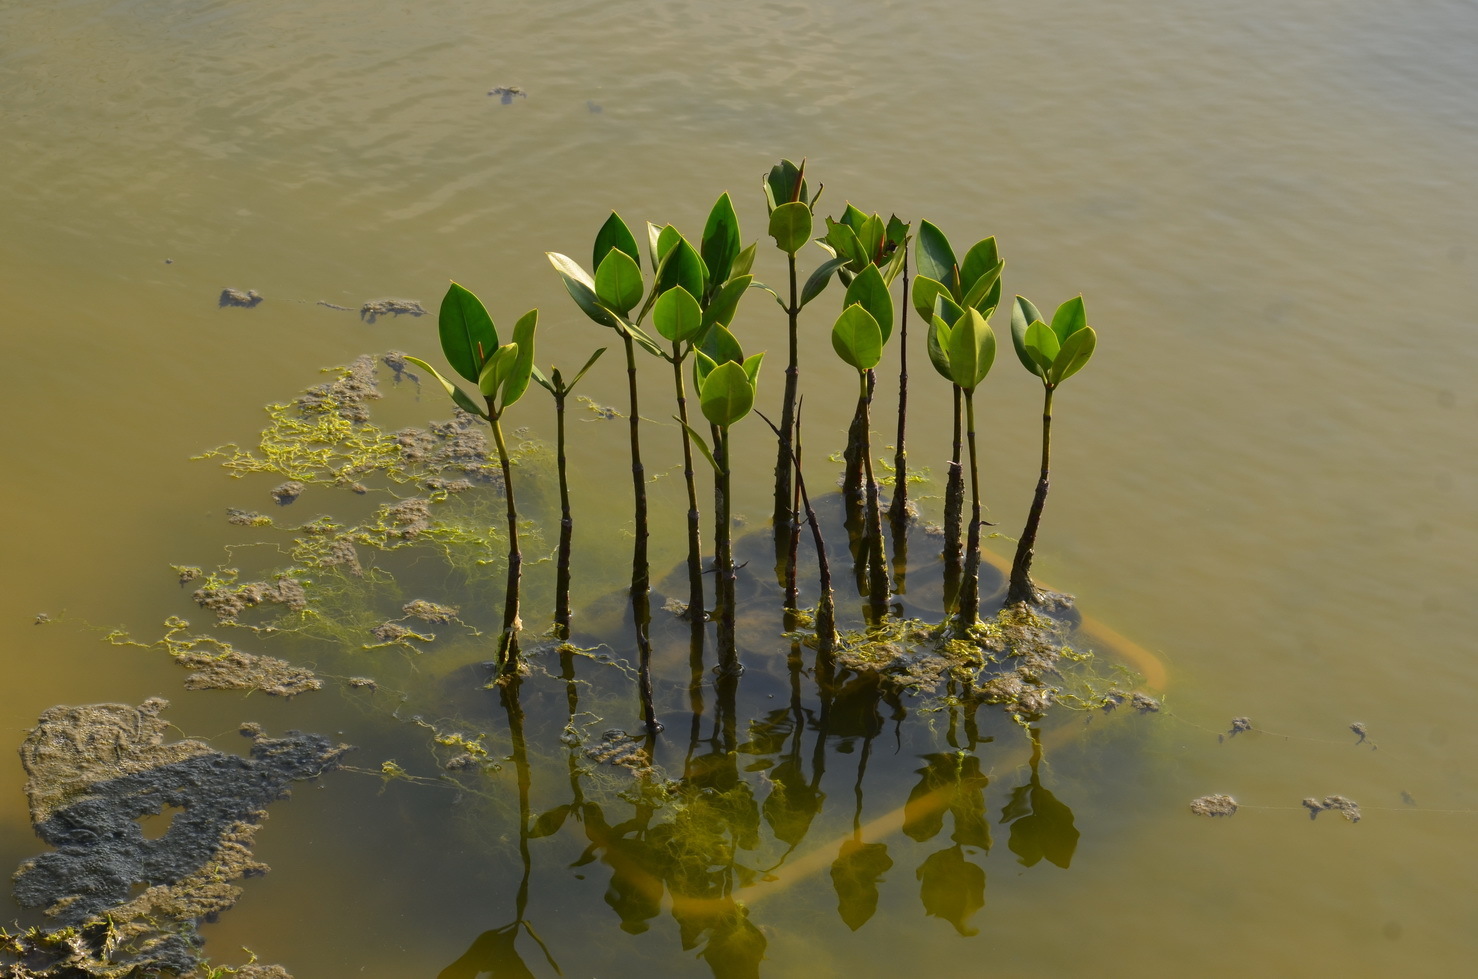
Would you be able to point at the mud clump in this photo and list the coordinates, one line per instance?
(375, 308)
(1214, 805)
(619, 748)
(235, 670)
(409, 518)
(229, 601)
(347, 395)
(458, 446)
(430, 611)
(247, 518)
(288, 492)
(237, 297)
(93, 772)
(341, 554)
(1347, 808)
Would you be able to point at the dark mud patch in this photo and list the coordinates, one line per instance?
(229, 601)
(348, 394)
(238, 297)
(235, 670)
(1347, 808)
(288, 492)
(458, 446)
(93, 773)
(375, 308)
(1214, 805)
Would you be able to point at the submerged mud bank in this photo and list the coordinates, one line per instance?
(126, 905)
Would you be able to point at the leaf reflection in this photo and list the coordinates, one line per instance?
(953, 888)
(855, 875)
(1041, 825)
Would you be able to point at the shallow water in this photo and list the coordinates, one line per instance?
(1266, 476)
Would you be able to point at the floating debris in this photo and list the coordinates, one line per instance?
(1240, 725)
(1144, 703)
(247, 518)
(1214, 805)
(288, 492)
(1345, 807)
(362, 683)
(619, 748)
(93, 773)
(507, 93)
(236, 297)
(229, 601)
(675, 606)
(347, 395)
(430, 611)
(1408, 798)
(42, 618)
(408, 518)
(376, 308)
(1113, 700)
(1364, 737)
(188, 572)
(345, 309)
(235, 670)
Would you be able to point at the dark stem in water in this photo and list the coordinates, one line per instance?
(969, 613)
(877, 570)
(728, 648)
(898, 508)
(784, 515)
(508, 641)
(826, 629)
(954, 494)
(1022, 588)
(566, 527)
(640, 573)
(695, 541)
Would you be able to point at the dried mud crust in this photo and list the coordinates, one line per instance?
(93, 773)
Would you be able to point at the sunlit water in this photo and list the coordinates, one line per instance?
(1266, 475)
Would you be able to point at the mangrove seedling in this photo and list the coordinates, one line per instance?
(726, 381)
(826, 618)
(965, 349)
(560, 390)
(858, 337)
(941, 280)
(792, 217)
(469, 341)
(1053, 353)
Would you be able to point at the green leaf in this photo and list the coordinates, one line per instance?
(790, 226)
(1042, 347)
(972, 350)
(924, 291)
(945, 309)
(459, 397)
(872, 293)
(1024, 314)
(677, 315)
(1075, 353)
(743, 262)
(897, 231)
(820, 279)
(725, 302)
(727, 395)
(554, 387)
(720, 243)
(618, 283)
(683, 268)
(468, 336)
(939, 347)
(614, 234)
(979, 260)
(900, 255)
(854, 217)
(870, 236)
(698, 441)
(1069, 318)
(934, 259)
(703, 365)
(857, 338)
(844, 241)
(518, 374)
(581, 373)
(582, 289)
(785, 183)
(751, 367)
(496, 370)
(721, 346)
(985, 292)
(666, 238)
(654, 244)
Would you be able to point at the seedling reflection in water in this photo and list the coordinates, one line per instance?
(469, 341)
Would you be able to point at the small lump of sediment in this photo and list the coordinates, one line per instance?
(430, 611)
(1240, 725)
(1347, 808)
(245, 298)
(288, 492)
(1144, 704)
(376, 308)
(1214, 805)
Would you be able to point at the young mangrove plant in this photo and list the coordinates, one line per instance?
(1053, 353)
(943, 284)
(861, 241)
(791, 214)
(826, 617)
(726, 381)
(963, 351)
(469, 341)
(858, 337)
(560, 390)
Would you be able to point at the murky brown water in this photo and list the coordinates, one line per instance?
(1266, 476)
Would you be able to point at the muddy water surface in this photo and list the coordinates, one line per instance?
(1265, 477)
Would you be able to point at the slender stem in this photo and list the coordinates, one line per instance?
(640, 573)
(508, 643)
(1022, 588)
(566, 526)
(784, 516)
(954, 493)
(970, 591)
(826, 618)
(695, 540)
(728, 650)
(877, 570)
(898, 508)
